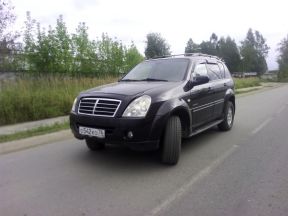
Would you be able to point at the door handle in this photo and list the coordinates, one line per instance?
(225, 84)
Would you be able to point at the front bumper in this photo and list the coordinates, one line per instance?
(146, 132)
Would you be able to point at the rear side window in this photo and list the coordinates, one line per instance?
(227, 73)
(222, 70)
(214, 71)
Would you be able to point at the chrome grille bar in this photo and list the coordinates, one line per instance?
(98, 106)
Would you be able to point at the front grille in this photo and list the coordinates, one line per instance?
(98, 106)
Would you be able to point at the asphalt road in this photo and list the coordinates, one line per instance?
(241, 172)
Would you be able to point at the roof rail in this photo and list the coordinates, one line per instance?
(188, 54)
(205, 55)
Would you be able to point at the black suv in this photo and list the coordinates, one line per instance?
(156, 104)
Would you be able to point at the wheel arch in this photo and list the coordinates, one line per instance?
(179, 108)
(230, 96)
(185, 119)
(232, 99)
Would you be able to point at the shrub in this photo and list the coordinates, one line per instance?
(247, 82)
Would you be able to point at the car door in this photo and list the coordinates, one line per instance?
(216, 74)
(200, 95)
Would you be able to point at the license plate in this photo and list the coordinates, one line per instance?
(93, 132)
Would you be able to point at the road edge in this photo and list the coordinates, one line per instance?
(21, 144)
(260, 90)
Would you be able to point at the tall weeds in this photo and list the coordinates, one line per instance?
(33, 98)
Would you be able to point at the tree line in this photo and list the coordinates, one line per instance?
(283, 60)
(55, 50)
(250, 56)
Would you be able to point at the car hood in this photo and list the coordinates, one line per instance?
(130, 88)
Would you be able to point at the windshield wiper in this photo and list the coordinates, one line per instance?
(152, 79)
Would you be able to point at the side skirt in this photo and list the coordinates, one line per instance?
(205, 127)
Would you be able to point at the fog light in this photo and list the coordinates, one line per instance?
(130, 134)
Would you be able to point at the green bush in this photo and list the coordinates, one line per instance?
(30, 98)
(247, 82)
(283, 74)
(57, 51)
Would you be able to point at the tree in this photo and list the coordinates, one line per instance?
(29, 35)
(228, 50)
(283, 60)
(132, 57)
(191, 47)
(156, 46)
(254, 50)
(58, 51)
(49, 52)
(84, 51)
(261, 46)
(207, 48)
(7, 38)
(214, 40)
(63, 44)
(7, 18)
(210, 47)
(111, 54)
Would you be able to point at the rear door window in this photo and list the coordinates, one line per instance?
(227, 73)
(222, 70)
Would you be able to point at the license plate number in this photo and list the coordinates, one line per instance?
(93, 132)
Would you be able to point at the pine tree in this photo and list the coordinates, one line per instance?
(283, 60)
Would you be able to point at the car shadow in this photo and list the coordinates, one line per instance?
(201, 139)
(117, 157)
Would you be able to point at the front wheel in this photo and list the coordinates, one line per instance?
(229, 112)
(172, 141)
(94, 145)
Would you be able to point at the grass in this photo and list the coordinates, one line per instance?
(246, 91)
(34, 98)
(34, 132)
(247, 82)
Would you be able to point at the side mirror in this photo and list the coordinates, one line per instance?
(199, 80)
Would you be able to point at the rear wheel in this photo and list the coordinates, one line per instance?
(94, 145)
(228, 117)
(172, 141)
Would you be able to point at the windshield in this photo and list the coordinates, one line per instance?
(158, 70)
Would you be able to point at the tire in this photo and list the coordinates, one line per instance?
(171, 147)
(228, 121)
(94, 145)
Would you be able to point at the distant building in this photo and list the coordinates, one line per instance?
(245, 74)
(270, 75)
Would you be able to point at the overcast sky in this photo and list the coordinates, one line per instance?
(177, 21)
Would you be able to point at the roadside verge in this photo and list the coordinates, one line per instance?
(34, 141)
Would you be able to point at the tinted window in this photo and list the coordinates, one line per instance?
(213, 71)
(166, 69)
(200, 70)
(227, 73)
(222, 70)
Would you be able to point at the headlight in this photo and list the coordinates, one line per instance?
(139, 107)
(74, 105)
